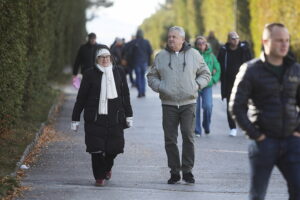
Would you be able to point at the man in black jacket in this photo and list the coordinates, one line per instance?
(231, 56)
(85, 58)
(272, 84)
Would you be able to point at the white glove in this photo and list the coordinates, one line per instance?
(129, 121)
(74, 125)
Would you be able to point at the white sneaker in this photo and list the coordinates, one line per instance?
(233, 132)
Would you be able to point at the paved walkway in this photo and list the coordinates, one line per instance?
(63, 171)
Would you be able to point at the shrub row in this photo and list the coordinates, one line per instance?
(38, 39)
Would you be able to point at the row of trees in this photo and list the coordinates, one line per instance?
(247, 17)
(38, 38)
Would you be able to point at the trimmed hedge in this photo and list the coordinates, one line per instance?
(38, 39)
(13, 60)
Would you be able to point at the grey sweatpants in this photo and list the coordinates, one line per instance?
(185, 117)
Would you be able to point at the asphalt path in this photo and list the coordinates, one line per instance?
(63, 170)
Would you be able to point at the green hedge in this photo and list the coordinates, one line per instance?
(38, 39)
(13, 60)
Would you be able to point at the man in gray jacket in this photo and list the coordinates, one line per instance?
(177, 74)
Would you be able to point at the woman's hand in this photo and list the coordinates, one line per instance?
(129, 121)
(74, 126)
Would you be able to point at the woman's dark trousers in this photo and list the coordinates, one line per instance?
(101, 164)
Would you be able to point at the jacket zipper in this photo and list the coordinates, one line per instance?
(285, 73)
(96, 116)
(118, 116)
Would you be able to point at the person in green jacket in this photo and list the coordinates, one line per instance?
(205, 94)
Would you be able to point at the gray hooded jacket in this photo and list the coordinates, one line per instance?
(178, 77)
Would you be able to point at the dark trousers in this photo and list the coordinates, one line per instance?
(129, 71)
(101, 164)
(183, 116)
(231, 122)
(264, 155)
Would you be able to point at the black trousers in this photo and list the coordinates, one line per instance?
(231, 122)
(101, 164)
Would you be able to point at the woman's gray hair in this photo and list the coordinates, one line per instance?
(179, 29)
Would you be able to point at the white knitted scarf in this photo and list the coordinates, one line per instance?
(108, 88)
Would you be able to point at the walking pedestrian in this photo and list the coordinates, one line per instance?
(127, 61)
(231, 56)
(271, 84)
(141, 55)
(177, 74)
(205, 94)
(85, 58)
(116, 51)
(104, 96)
(213, 42)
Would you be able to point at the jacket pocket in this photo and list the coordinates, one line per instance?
(90, 114)
(191, 91)
(163, 93)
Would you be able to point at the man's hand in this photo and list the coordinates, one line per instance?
(261, 138)
(296, 133)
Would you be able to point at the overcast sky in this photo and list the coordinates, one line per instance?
(120, 20)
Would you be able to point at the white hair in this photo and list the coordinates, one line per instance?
(179, 29)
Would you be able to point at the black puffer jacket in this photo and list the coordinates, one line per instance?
(275, 105)
(103, 132)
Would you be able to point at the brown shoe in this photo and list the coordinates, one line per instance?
(100, 182)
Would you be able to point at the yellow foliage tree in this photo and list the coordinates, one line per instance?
(191, 20)
(262, 12)
(156, 26)
(218, 16)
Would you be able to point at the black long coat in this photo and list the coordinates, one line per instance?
(103, 132)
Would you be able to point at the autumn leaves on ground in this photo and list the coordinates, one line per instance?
(13, 147)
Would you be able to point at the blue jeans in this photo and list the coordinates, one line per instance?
(264, 155)
(207, 104)
(140, 71)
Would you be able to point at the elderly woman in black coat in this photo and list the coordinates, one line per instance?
(104, 97)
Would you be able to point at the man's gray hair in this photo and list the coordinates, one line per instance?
(179, 29)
